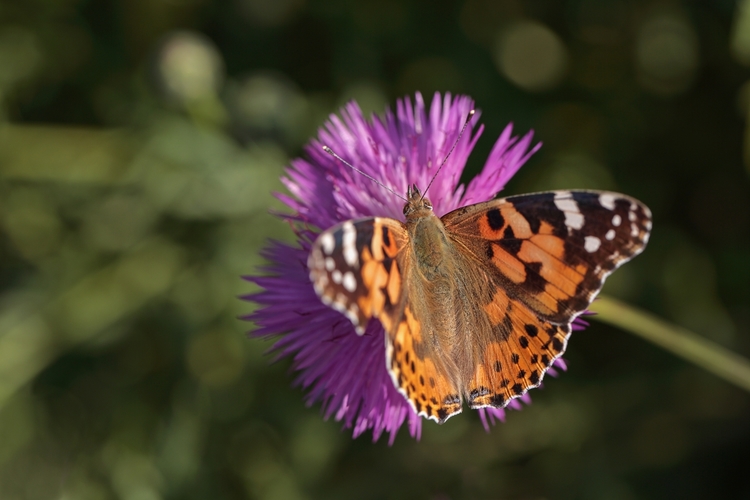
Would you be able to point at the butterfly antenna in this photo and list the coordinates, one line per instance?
(466, 124)
(373, 179)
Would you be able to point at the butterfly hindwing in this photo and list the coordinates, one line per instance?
(516, 359)
(419, 374)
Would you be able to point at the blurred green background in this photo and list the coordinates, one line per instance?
(140, 141)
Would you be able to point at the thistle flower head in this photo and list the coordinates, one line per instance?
(344, 371)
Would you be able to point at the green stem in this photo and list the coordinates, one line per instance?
(678, 340)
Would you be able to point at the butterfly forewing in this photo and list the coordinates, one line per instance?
(552, 251)
(357, 268)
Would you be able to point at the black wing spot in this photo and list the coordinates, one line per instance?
(545, 360)
(510, 242)
(504, 383)
(517, 388)
(442, 413)
(497, 400)
(531, 330)
(523, 341)
(515, 357)
(386, 236)
(421, 380)
(521, 374)
(534, 377)
(528, 206)
(432, 383)
(498, 366)
(433, 400)
(557, 345)
(534, 359)
(495, 219)
(534, 281)
(388, 264)
(490, 252)
(413, 368)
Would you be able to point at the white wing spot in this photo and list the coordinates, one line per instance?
(616, 220)
(353, 315)
(592, 244)
(633, 230)
(348, 242)
(648, 225)
(610, 235)
(353, 318)
(349, 281)
(631, 216)
(340, 303)
(330, 264)
(573, 215)
(607, 200)
(336, 275)
(327, 242)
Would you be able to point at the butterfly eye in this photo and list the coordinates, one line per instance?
(406, 209)
(428, 204)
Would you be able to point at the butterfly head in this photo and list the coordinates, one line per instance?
(416, 205)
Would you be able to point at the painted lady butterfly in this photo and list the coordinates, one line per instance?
(477, 304)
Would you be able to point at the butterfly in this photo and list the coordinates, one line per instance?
(477, 304)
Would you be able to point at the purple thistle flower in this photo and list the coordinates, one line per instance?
(345, 371)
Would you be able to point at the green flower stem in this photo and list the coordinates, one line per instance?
(678, 340)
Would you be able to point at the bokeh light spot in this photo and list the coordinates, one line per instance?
(531, 56)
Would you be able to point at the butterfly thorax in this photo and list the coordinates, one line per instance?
(428, 239)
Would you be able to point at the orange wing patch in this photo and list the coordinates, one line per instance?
(517, 358)
(426, 386)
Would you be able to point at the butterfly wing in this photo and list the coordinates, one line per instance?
(545, 256)
(360, 268)
(356, 267)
